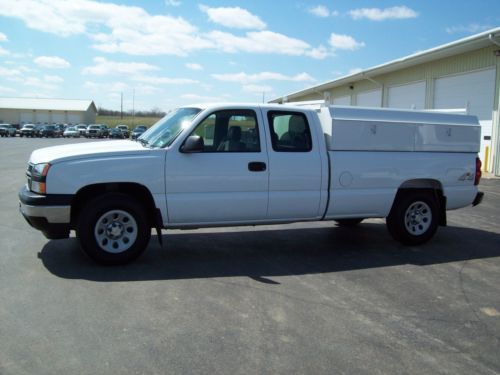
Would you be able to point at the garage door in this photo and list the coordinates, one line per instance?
(410, 96)
(58, 118)
(26, 118)
(474, 91)
(42, 117)
(342, 100)
(369, 98)
(74, 119)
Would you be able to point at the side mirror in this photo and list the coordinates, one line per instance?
(194, 143)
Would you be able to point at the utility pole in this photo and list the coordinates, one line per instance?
(133, 107)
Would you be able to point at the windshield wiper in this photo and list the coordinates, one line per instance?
(144, 142)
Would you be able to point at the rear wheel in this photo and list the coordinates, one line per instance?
(414, 217)
(113, 229)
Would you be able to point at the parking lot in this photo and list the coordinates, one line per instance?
(306, 298)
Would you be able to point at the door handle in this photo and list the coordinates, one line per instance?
(256, 166)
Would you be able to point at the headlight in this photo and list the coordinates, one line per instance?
(38, 178)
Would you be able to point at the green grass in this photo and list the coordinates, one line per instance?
(112, 121)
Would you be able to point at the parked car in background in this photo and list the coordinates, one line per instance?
(7, 130)
(138, 131)
(94, 131)
(48, 131)
(60, 129)
(71, 132)
(38, 128)
(124, 129)
(105, 130)
(82, 129)
(116, 133)
(28, 130)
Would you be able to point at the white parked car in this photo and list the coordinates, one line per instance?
(71, 132)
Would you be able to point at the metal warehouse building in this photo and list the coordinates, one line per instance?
(47, 111)
(462, 74)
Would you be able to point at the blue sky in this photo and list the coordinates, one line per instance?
(176, 52)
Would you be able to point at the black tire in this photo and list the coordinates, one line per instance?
(348, 222)
(123, 239)
(414, 217)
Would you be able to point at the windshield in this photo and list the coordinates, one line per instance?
(168, 128)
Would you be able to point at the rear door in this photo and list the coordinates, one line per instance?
(296, 166)
(226, 183)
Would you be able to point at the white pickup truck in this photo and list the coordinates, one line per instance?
(232, 164)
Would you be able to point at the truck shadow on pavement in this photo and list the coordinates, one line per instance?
(260, 254)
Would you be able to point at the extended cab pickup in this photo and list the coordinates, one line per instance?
(231, 164)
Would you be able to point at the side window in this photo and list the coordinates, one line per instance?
(290, 131)
(230, 131)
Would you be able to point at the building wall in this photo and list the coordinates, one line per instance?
(20, 116)
(428, 72)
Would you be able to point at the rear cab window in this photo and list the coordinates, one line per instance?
(290, 131)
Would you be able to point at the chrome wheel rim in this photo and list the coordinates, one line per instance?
(116, 231)
(418, 218)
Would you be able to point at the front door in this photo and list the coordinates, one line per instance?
(226, 183)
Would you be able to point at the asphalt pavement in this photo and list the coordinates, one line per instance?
(306, 298)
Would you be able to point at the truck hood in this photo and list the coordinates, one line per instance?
(85, 150)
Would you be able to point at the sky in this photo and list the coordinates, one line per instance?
(166, 53)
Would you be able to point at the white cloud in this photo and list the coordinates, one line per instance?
(194, 66)
(234, 17)
(108, 87)
(173, 3)
(471, 28)
(377, 14)
(319, 11)
(7, 90)
(155, 80)
(3, 51)
(345, 42)
(52, 62)
(260, 42)
(319, 53)
(9, 73)
(106, 67)
(257, 89)
(3, 37)
(132, 30)
(245, 78)
(202, 98)
(354, 71)
(53, 79)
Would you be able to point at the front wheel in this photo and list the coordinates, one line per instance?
(413, 219)
(113, 229)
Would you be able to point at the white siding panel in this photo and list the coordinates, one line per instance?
(411, 96)
(342, 100)
(369, 98)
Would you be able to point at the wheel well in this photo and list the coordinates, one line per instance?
(433, 187)
(138, 191)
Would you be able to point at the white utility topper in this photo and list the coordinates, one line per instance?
(247, 164)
